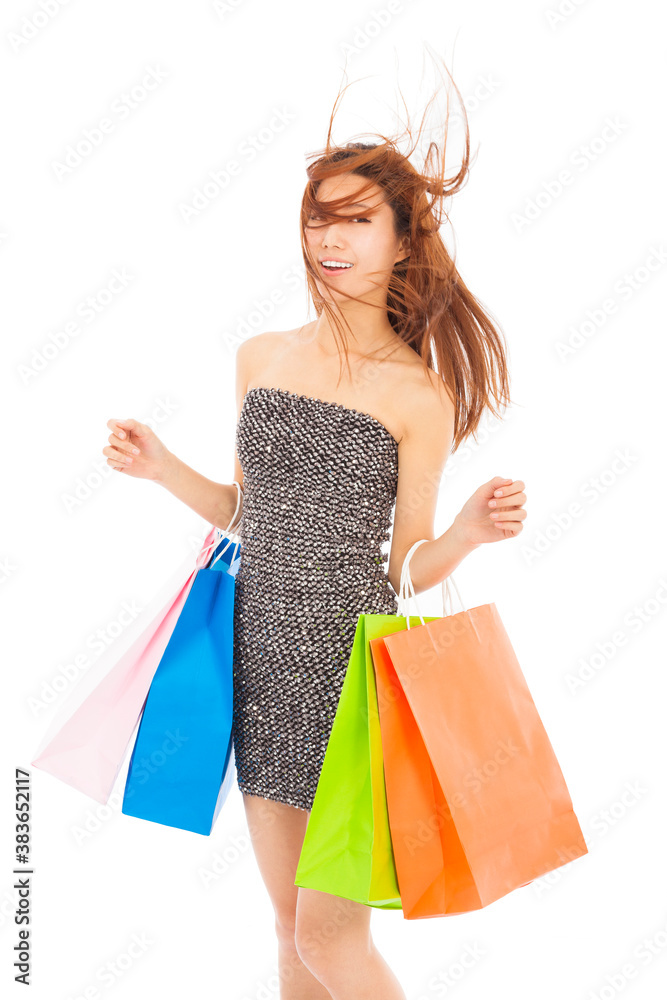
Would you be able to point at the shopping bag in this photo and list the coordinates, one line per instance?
(87, 741)
(183, 749)
(477, 802)
(347, 849)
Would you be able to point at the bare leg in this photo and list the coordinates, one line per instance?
(334, 941)
(276, 832)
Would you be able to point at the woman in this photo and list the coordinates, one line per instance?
(322, 462)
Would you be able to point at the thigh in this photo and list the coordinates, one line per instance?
(276, 832)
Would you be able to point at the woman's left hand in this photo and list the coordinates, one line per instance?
(494, 511)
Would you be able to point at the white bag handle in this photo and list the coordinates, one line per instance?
(223, 532)
(407, 590)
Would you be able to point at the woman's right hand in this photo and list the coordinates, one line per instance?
(135, 449)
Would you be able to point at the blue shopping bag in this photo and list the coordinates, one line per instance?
(180, 770)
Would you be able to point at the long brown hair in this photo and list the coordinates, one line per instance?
(428, 304)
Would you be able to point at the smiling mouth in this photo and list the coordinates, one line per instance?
(336, 268)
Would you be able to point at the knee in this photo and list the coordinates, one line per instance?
(285, 925)
(291, 962)
(321, 947)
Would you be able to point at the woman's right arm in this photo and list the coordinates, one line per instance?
(136, 450)
(215, 502)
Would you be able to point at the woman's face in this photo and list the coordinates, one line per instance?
(365, 238)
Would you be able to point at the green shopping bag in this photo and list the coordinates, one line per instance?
(347, 847)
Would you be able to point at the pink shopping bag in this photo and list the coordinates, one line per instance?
(86, 745)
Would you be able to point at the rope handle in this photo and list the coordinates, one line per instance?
(407, 590)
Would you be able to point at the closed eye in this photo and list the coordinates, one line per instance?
(354, 218)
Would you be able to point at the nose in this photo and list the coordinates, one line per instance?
(330, 236)
(330, 244)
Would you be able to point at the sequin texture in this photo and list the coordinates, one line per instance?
(319, 487)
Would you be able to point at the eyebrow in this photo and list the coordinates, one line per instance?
(362, 204)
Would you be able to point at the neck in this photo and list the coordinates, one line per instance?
(371, 334)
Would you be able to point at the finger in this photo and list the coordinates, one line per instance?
(516, 500)
(515, 486)
(117, 456)
(123, 428)
(124, 446)
(117, 426)
(499, 517)
(498, 484)
(512, 526)
(115, 465)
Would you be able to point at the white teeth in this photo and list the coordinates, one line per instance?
(335, 263)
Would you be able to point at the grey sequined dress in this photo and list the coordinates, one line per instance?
(319, 487)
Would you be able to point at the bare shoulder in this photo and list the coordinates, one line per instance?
(425, 401)
(274, 357)
(257, 346)
(256, 354)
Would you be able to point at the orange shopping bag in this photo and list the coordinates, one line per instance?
(477, 802)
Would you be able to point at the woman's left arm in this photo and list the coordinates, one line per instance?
(494, 511)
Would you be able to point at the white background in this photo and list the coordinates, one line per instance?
(585, 434)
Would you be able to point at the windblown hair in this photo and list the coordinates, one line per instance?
(427, 303)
